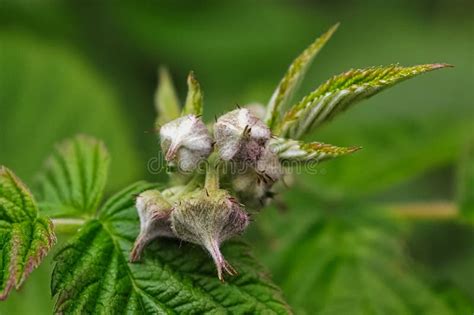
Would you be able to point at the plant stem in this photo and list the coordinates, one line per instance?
(212, 173)
(192, 184)
(67, 225)
(438, 210)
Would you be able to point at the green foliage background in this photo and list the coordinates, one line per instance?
(90, 67)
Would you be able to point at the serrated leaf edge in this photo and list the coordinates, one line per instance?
(293, 76)
(33, 261)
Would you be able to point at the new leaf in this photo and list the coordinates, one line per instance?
(289, 150)
(25, 237)
(340, 92)
(166, 101)
(293, 76)
(193, 103)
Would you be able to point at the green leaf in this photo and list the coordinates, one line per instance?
(166, 101)
(342, 91)
(73, 181)
(293, 76)
(466, 183)
(289, 150)
(193, 103)
(35, 291)
(352, 262)
(49, 93)
(25, 237)
(92, 273)
(445, 250)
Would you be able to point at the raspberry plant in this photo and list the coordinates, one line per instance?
(123, 256)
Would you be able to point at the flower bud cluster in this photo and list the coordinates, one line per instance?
(201, 212)
(202, 217)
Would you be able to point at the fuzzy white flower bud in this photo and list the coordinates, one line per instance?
(185, 142)
(240, 136)
(208, 218)
(154, 213)
(257, 109)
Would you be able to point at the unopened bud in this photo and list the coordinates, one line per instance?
(240, 136)
(269, 166)
(208, 218)
(154, 213)
(185, 142)
(257, 109)
(253, 186)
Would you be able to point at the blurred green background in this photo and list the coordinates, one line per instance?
(70, 67)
